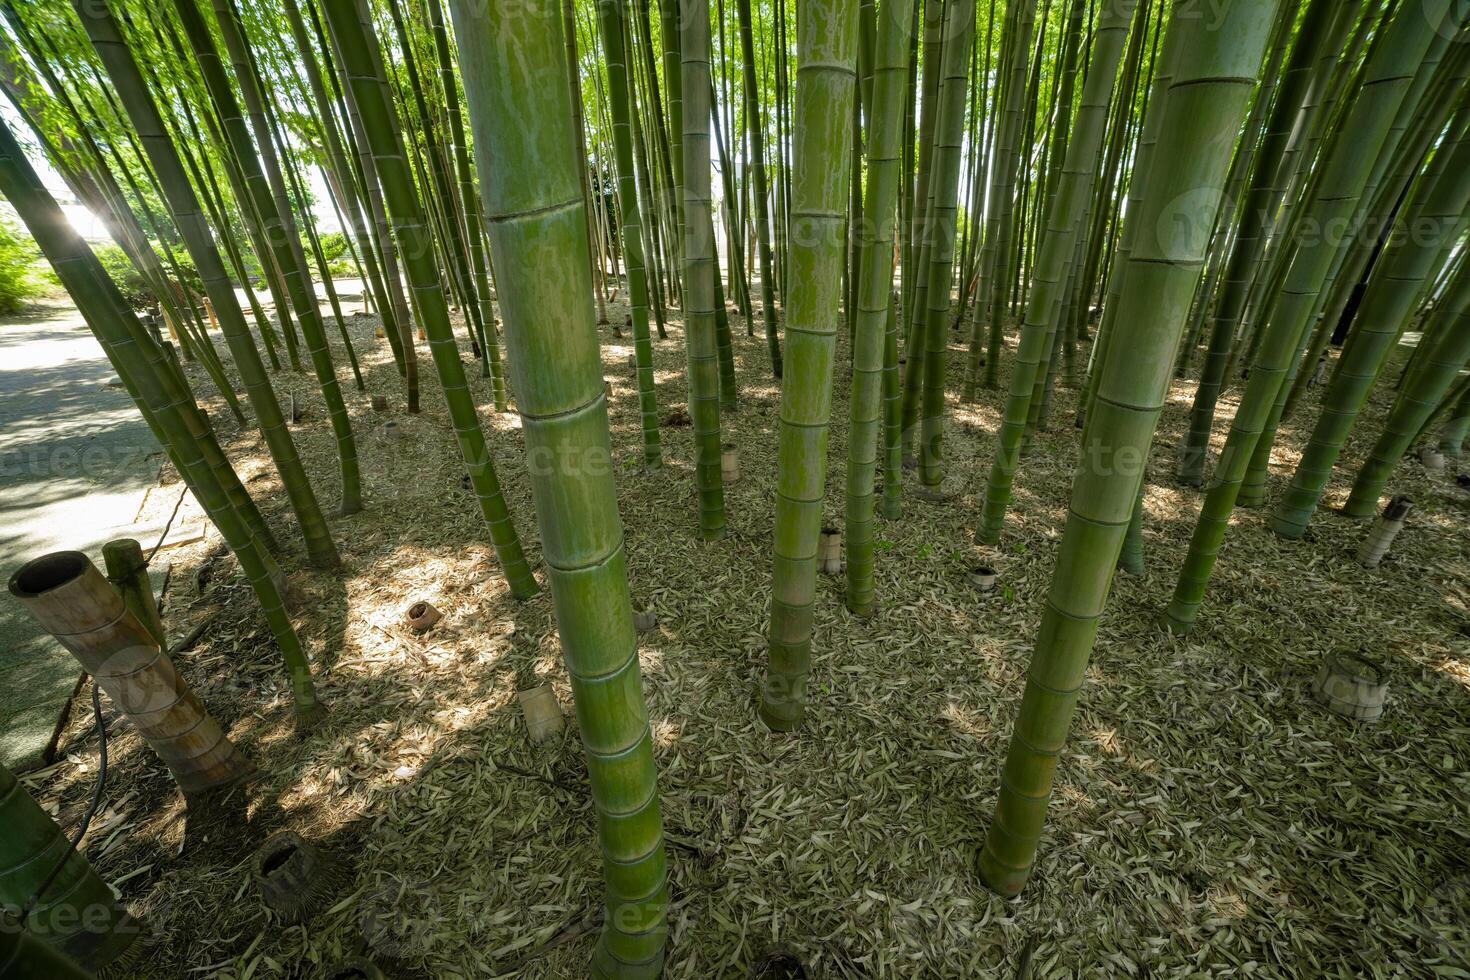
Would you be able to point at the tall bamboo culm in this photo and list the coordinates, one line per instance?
(538, 232)
(826, 74)
(1217, 64)
(700, 268)
(875, 296)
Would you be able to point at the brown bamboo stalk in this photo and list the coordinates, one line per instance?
(74, 603)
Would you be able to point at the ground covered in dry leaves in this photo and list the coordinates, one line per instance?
(1210, 819)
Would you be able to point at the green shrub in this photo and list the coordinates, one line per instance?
(334, 245)
(121, 270)
(21, 278)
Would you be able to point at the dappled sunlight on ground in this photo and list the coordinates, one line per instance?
(1207, 813)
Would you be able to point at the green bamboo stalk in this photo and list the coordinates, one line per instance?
(1392, 169)
(76, 916)
(279, 228)
(1387, 78)
(701, 273)
(1215, 72)
(356, 42)
(522, 127)
(469, 199)
(755, 127)
(875, 296)
(1064, 226)
(610, 20)
(122, 69)
(949, 130)
(1436, 214)
(826, 74)
(344, 183)
(357, 135)
(1418, 400)
(990, 298)
(1452, 437)
(163, 402)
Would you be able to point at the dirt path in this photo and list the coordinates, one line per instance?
(75, 461)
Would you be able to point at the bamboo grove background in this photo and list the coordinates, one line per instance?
(1098, 196)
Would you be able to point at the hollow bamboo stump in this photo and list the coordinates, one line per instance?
(1380, 539)
(355, 969)
(421, 617)
(77, 914)
(296, 879)
(983, 578)
(74, 603)
(1352, 686)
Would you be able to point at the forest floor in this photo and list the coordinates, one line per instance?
(1210, 819)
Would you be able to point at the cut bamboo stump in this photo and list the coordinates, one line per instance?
(729, 463)
(294, 408)
(1375, 547)
(1319, 377)
(380, 403)
(542, 712)
(421, 617)
(77, 914)
(1431, 459)
(1351, 685)
(983, 577)
(296, 879)
(74, 603)
(127, 570)
(645, 621)
(829, 551)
